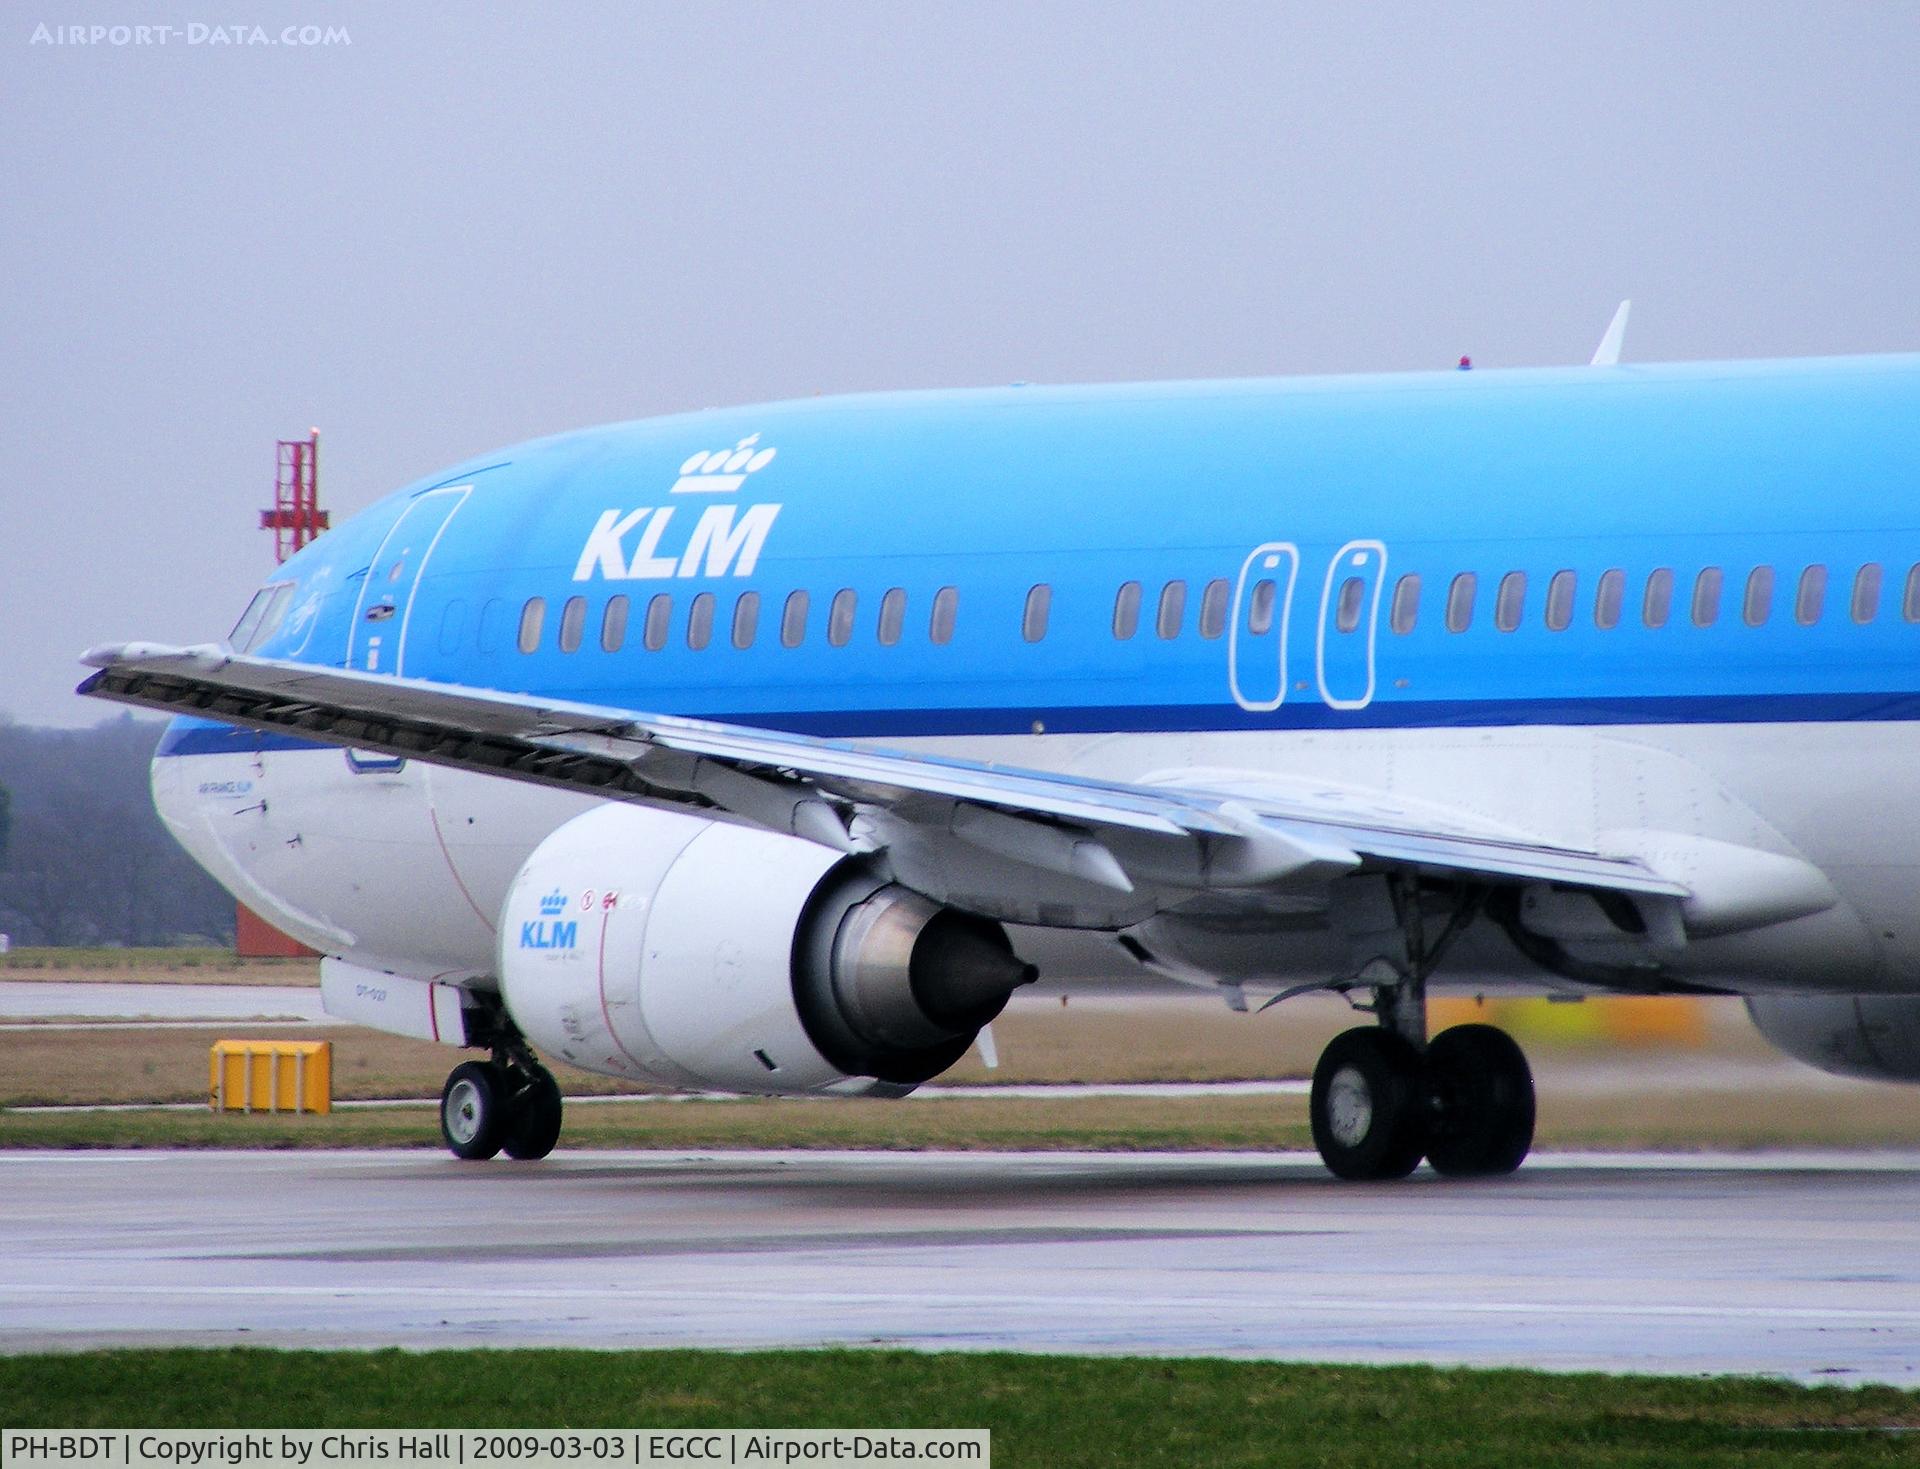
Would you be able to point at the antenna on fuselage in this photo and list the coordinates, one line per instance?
(1607, 354)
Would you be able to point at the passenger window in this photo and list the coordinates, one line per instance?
(1607, 600)
(1757, 605)
(946, 602)
(1510, 602)
(746, 619)
(1033, 622)
(1560, 592)
(1260, 607)
(1658, 604)
(793, 620)
(533, 617)
(659, 615)
(1460, 601)
(893, 615)
(1811, 599)
(700, 621)
(1126, 610)
(613, 625)
(1213, 609)
(1866, 593)
(1706, 596)
(1346, 607)
(573, 623)
(840, 617)
(1406, 603)
(1173, 609)
(1910, 604)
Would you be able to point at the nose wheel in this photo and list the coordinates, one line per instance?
(488, 1107)
(1378, 1105)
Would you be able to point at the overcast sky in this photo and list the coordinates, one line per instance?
(450, 231)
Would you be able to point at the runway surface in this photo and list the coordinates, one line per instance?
(36, 1000)
(1806, 1266)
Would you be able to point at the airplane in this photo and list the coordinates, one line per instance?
(771, 749)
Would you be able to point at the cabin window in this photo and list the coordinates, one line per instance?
(1347, 604)
(453, 624)
(659, 615)
(893, 615)
(1260, 607)
(1510, 602)
(1460, 601)
(840, 617)
(746, 619)
(1033, 621)
(1757, 605)
(1608, 599)
(1560, 592)
(946, 602)
(700, 621)
(613, 625)
(1173, 609)
(1811, 599)
(1213, 608)
(1126, 610)
(1405, 611)
(793, 620)
(1706, 596)
(573, 623)
(1866, 593)
(1658, 603)
(533, 617)
(1910, 603)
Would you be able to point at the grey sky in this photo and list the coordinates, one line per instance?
(460, 230)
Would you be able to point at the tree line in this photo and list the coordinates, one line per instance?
(84, 858)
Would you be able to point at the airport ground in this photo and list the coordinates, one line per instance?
(1064, 1223)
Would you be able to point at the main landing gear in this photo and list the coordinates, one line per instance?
(510, 1104)
(1383, 1097)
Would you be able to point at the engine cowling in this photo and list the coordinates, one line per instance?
(674, 949)
(1872, 1036)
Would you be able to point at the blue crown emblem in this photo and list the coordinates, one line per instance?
(554, 902)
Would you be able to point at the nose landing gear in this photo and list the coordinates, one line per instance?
(511, 1104)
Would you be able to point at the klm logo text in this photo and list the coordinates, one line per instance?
(546, 933)
(646, 544)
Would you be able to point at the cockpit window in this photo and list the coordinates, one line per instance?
(262, 618)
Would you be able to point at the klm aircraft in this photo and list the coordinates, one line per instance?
(765, 749)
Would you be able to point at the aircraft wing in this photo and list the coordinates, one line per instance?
(1117, 834)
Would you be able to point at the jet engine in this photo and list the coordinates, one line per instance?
(673, 949)
(1874, 1036)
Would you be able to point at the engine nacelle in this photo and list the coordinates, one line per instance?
(1873, 1036)
(678, 950)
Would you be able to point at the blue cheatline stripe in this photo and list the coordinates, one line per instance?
(203, 737)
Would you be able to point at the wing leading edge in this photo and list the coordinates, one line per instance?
(1115, 834)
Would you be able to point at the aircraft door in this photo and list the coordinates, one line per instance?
(1257, 636)
(1345, 642)
(377, 642)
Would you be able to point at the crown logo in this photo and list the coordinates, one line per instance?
(554, 902)
(722, 471)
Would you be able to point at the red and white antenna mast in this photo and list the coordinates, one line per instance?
(296, 517)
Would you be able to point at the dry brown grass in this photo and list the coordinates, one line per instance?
(155, 966)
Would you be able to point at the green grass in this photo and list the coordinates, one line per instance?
(989, 1123)
(1051, 1411)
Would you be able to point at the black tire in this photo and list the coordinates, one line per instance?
(1480, 1090)
(533, 1126)
(1369, 1105)
(473, 1110)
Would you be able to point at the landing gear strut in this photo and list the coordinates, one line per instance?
(1383, 1097)
(510, 1104)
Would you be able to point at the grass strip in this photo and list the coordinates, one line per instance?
(986, 1123)
(1043, 1410)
